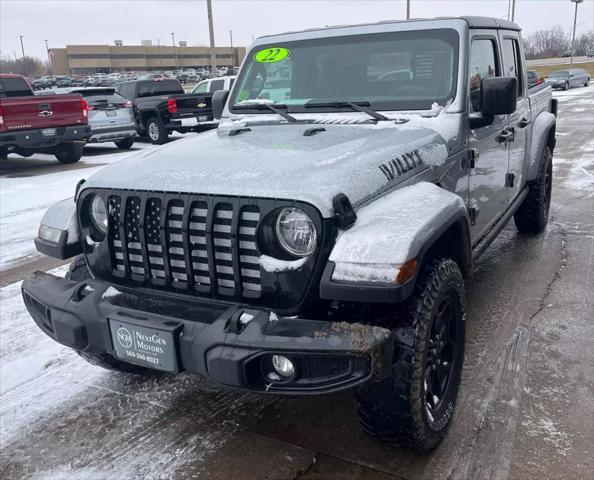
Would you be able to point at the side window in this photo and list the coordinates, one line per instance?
(512, 62)
(216, 85)
(202, 87)
(126, 90)
(483, 64)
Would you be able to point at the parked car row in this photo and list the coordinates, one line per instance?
(50, 120)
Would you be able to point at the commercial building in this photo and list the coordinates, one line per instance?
(121, 58)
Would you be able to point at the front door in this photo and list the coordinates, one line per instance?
(519, 120)
(487, 191)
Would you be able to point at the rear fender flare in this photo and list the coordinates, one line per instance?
(146, 114)
(543, 134)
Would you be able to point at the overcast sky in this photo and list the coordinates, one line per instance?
(64, 22)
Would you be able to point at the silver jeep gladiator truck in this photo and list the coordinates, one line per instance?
(319, 239)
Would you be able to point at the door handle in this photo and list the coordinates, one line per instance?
(507, 135)
(523, 123)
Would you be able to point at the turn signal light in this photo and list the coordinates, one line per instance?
(406, 271)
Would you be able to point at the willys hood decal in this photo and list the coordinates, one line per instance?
(279, 161)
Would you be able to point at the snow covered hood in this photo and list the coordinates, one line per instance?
(279, 161)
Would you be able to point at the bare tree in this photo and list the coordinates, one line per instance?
(34, 66)
(583, 43)
(546, 43)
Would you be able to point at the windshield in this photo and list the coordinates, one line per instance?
(391, 71)
(561, 74)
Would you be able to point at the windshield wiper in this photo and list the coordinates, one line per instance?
(358, 107)
(268, 106)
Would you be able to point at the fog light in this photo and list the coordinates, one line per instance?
(283, 366)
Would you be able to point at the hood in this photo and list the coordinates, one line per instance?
(279, 161)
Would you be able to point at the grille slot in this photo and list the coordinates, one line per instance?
(187, 243)
(117, 252)
(249, 260)
(175, 242)
(132, 234)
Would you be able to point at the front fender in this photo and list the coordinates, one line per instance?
(393, 230)
(58, 233)
(542, 126)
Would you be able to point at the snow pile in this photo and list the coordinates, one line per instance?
(274, 265)
(110, 292)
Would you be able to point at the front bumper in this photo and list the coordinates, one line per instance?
(211, 342)
(189, 123)
(35, 138)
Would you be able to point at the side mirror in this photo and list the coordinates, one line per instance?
(499, 95)
(219, 98)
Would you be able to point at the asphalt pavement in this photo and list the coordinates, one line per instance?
(525, 408)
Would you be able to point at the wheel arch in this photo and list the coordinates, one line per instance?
(543, 135)
(434, 223)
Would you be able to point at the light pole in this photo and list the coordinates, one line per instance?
(49, 59)
(232, 51)
(213, 58)
(25, 63)
(407, 9)
(513, 16)
(574, 22)
(174, 49)
(160, 56)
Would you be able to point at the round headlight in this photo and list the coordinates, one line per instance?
(296, 232)
(99, 214)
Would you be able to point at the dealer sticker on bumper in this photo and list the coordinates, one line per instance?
(148, 347)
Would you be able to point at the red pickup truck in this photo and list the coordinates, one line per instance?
(33, 124)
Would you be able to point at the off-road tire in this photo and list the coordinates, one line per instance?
(3, 153)
(69, 153)
(156, 133)
(533, 214)
(79, 272)
(395, 410)
(125, 143)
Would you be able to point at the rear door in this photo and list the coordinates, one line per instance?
(487, 192)
(518, 121)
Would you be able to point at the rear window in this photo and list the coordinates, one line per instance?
(96, 99)
(216, 85)
(14, 87)
(158, 87)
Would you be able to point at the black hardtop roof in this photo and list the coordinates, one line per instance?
(472, 21)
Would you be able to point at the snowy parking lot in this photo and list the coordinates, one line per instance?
(526, 406)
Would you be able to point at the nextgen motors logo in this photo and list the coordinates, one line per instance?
(147, 343)
(124, 337)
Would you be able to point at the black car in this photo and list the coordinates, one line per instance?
(161, 106)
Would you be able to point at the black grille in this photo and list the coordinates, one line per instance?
(315, 368)
(187, 242)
